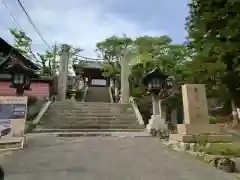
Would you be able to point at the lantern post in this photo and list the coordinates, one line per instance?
(159, 86)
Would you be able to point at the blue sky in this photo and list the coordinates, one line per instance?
(85, 22)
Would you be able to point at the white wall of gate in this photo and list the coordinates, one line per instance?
(101, 82)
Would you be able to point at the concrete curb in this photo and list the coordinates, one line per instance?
(136, 111)
(91, 134)
(41, 113)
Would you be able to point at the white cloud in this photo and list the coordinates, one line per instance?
(76, 22)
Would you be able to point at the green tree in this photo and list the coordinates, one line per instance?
(213, 28)
(111, 50)
(47, 60)
(23, 43)
(152, 52)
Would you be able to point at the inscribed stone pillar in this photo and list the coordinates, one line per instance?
(125, 71)
(196, 125)
(63, 72)
(195, 104)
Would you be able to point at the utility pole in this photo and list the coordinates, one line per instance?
(63, 72)
(54, 74)
(54, 69)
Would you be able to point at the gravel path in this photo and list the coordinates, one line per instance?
(104, 158)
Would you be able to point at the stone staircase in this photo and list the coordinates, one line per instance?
(72, 116)
(97, 94)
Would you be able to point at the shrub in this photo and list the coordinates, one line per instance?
(224, 149)
(79, 95)
(68, 94)
(212, 120)
(31, 100)
(34, 109)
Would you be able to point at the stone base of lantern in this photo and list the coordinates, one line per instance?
(201, 133)
(157, 123)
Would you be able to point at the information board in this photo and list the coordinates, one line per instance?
(13, 112)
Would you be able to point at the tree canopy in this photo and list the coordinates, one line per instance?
(46, 60)
(213, 40)
(111, 50)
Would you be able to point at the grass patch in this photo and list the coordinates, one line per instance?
(224, 149)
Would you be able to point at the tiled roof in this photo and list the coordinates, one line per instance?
(6, 48)
(92, 64)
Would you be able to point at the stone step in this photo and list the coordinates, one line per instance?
(79, 118)
(91, 114)
(85, 104)
(56, 110)
(92, 126)
(99, 104)
(90, 120)
(116, 134)
(38, 130)
(87, 124)
(89, 108)
(11, 144)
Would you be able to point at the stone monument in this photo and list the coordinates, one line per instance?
(196, 125)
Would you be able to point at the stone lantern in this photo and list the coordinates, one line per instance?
(72, 85)
(21, 76)
(159, 86)
(15, 64)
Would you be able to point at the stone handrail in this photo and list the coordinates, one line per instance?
(41, 113)
(110, 94)
(136, 111)
(84, 93)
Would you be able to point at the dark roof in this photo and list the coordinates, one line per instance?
(6, 48)
(89, 65)
(154, 73)
(92, 64)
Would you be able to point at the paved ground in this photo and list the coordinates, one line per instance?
(104, 158)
